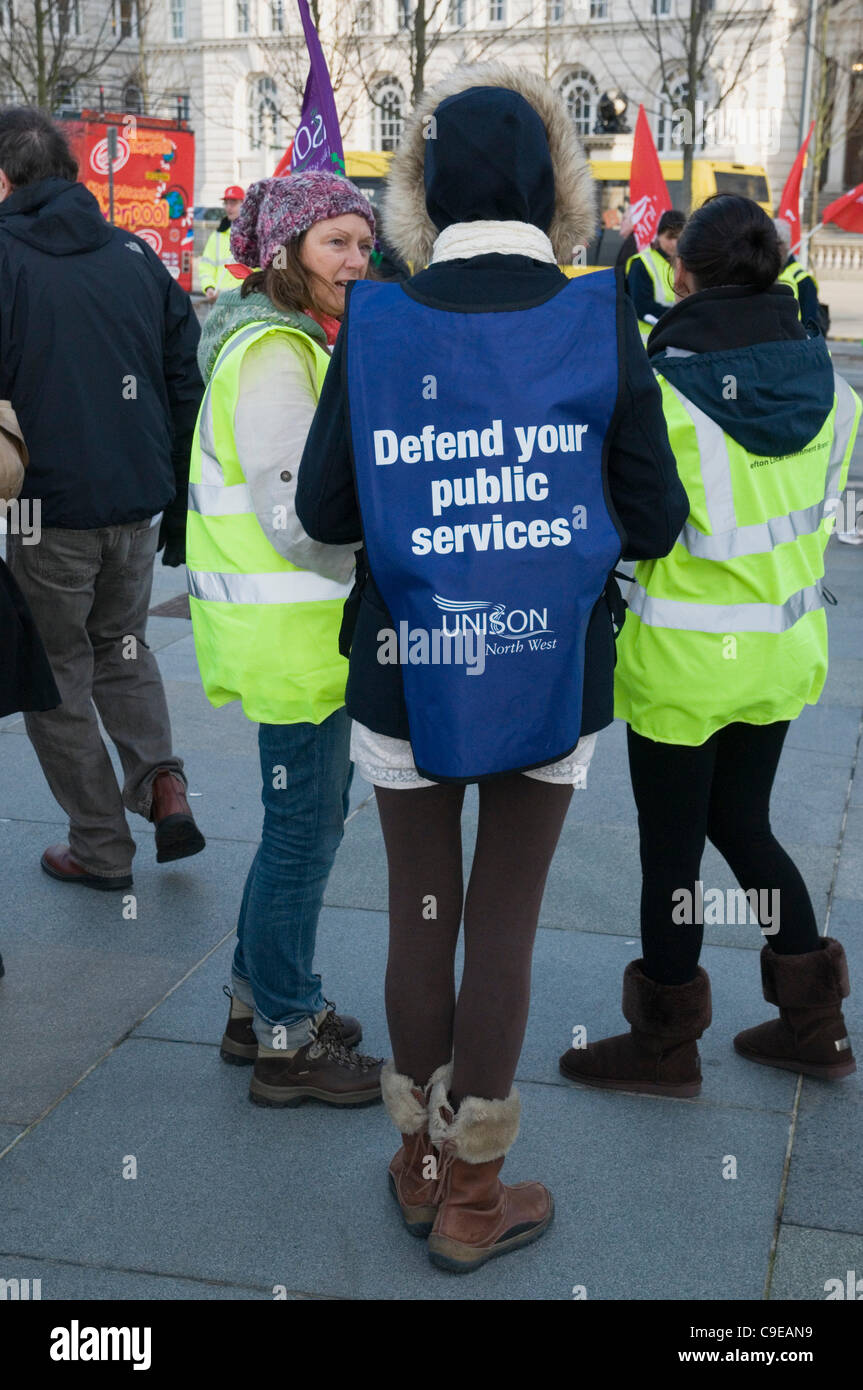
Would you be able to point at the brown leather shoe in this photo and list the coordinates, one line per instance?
(809, 1035)
(322, 1069)
(58, 862)
(659, 1056)
(478, 1217)
(240, 1043)
(177, 835)
(413, 1172)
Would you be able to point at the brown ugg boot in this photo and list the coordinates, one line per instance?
(413, 1172)
(810, 1034)
(477, 1216)
(659, 1056)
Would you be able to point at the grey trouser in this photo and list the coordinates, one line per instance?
(89, 592)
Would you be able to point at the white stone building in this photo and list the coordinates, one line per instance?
(235, 69)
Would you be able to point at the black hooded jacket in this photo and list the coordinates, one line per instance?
(98, 357)
(486, 170)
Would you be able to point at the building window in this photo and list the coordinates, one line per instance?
(579, 93)
(264, 120)
(405, 14)
(68, 17)
(660, 7)
(599, 9)
(7, 14)
(365, 17)
(133, 99)
(178, 19)
(243, 21)
(554, 11)
(665, 122)
(389, 107)
(124, 19)
(184, 106)
(65, 98)
(496, 11)
(277, 16)
(457, 13)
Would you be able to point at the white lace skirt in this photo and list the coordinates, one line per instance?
(388, 762)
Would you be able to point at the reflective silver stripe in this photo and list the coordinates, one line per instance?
(285, 586)
(847, 405)
(715, 466)
(216, 499)
(753, 540)
(733, 542)
(211, 469)
(722, 618)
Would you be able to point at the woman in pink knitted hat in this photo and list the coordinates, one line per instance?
(266, 606)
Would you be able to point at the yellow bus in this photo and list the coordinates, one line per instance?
(369, 168)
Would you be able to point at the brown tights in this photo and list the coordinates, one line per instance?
(520, 820)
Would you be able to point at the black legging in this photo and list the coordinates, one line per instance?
(721, 791)
(520, 821)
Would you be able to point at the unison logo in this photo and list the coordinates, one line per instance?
(490, 619)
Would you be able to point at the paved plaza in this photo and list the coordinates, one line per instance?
(110, 1025)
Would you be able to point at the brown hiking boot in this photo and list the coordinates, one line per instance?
(809, 1035)
(177, 835)
(322, 1069)
(58, 862)
(478, 1217)
(659, 1056)
(239, 1040)
(413, 1172)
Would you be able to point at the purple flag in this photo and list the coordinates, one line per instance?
(318, 141)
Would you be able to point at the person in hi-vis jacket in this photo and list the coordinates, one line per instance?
(213, 270)
(724, 644)
(492, 433)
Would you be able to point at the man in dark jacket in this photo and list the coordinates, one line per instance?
(97, 355)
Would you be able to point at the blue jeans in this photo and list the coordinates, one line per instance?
(306, 771)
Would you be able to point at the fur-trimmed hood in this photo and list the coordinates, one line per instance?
(409, 227)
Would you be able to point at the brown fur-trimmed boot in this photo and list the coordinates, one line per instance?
(810, 1034)
(414, 1169)
(659, 1055)
(477, 1216)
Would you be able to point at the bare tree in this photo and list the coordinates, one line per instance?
(837, 89)
(423, 26)
(48, 47)
(287, 61)
(692, 85)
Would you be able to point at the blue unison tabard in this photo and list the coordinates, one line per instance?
(479, 442)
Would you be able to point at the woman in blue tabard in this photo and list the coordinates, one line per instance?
(492, 433)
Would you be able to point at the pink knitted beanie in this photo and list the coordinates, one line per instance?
(276, 211)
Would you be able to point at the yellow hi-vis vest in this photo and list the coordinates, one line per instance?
(792, 275)
(730, 626)
(661, 273)
(212, 271)
(266, 632)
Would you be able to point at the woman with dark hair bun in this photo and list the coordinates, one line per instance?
(725, 642)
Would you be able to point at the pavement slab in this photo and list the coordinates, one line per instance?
(110, 1023)
(162, 1103)
(812, 1264)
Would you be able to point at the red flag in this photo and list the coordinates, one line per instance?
(847, 211)
(789, 204)
(284, 165)
(648, 195)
